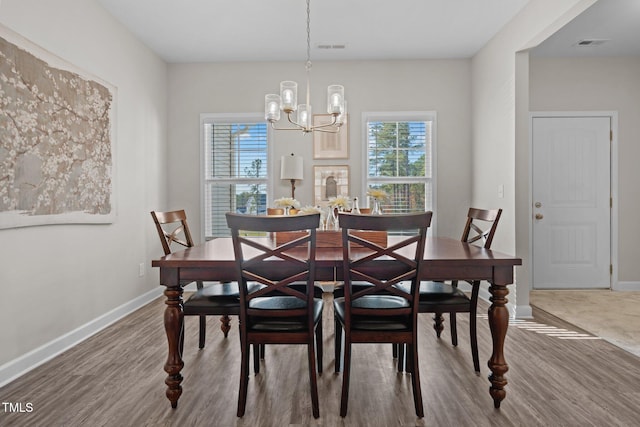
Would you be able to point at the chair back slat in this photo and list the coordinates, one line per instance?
(171, 226)
(382, 267)
(483, 222)
(271, 265)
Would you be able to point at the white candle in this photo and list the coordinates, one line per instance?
(287, 97)
(336, 102)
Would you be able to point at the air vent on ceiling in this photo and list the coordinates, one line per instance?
(329, 46)
(591, 42)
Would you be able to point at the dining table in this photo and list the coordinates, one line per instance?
(444, 259)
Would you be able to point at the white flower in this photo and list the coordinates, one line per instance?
(339, 201)
(377, 194)
(287, 201)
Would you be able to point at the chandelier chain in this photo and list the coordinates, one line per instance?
(308, 64)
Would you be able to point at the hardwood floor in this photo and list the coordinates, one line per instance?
(116, 379)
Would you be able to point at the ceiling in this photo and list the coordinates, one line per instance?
(275, 30)
(613, 25)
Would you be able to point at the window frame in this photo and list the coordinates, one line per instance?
(229, 118)
(402, 116)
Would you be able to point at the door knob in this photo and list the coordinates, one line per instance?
(539, 216)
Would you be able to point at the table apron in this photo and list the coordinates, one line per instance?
(500, 274)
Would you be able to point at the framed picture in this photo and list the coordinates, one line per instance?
(58, 139)
(329, 181)
(330, 145)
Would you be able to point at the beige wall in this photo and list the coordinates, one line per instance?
(56, 279)
(601, 84)
(500, 134)
(442, 86)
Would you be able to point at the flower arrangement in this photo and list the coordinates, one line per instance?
(339, 202)
(284, 202)
(377, 194)
(310, 210)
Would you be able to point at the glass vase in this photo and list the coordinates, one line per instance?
(334, 214)
(376, 207)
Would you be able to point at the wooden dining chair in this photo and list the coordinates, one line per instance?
(439, 297)
(277, 313)
(210, 299)
(382, 312)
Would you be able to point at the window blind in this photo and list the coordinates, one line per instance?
(235, 172)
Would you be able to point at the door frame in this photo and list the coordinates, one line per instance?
(613, 115)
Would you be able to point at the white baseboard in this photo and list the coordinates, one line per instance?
(25, 363)
(524, 312)
(626, 286)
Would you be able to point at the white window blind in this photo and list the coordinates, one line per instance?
(400, 160)
(235, 170)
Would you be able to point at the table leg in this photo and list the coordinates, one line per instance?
(498, 323)
(173, 325)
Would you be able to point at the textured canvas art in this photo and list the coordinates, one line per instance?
(56, 152)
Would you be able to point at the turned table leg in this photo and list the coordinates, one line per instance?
(173, 325)
(498, 323)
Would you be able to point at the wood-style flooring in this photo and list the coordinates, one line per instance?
(115, 378)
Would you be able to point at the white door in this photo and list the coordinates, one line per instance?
(571, 202)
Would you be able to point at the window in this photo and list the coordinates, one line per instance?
(400, 159)
(235, 169)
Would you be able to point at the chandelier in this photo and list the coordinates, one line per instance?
(300, 116)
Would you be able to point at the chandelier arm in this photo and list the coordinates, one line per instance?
(334, 121)
(299, 128)
(331, 130)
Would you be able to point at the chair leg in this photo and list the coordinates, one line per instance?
(474, 339)
(225, 325)
(262, 347)
(394, 348)
(244, 377)
(437, 323)
(415, 379)
(401, 357)
(315, 406)
(454, 329)
(256, 358)
(408, 363)
(203, 331)
(338, 345)
(346, 372)
(318, 341)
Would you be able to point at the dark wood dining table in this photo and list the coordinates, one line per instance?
(444, 259)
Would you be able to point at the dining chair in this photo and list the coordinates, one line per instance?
(277, 313)
(212, 299)
(440, 297)
(383, 311)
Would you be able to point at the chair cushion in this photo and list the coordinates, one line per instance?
(286, 324)
(442, 297)
(439, 289)
(218, 295)
(301, 286)
(375, 323)
(338, 290)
